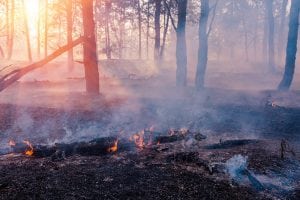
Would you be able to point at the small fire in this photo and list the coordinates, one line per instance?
(138, 139)
(28, 152)
(11, 143)
(114, 148)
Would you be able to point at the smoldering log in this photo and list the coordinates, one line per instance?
(231, 144)
(178, 135)
(168, 139)
(99, 146)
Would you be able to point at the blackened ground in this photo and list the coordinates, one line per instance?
(98, 178)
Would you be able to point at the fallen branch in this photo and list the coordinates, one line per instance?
(15, 75)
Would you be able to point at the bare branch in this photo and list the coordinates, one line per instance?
(171, 17)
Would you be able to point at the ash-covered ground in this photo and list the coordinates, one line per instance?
(48, 112)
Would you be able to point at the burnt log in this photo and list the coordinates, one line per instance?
(178, 135)
(99, 146)
(96, 147)
(231, 144)
(168, 139)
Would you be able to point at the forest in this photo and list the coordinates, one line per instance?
(149, 99)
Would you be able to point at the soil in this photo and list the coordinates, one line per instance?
(46, 112)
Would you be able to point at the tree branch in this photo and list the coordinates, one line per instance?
(171, 17)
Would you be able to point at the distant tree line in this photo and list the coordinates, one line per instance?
(143, 29)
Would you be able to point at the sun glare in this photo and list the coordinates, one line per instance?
(32, 11)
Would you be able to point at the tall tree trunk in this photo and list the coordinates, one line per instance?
(10, 43)
(246, 39)
(166, 28)
(157, 29)
(38, 45)
(90, 48)
(46, 30)
(282, 29)
(27, 34)
(181, 55)
(69, 33)
(107, 31)
(140, 28)
(271, 58)
(7, 23)
(255, 39)
(291, 49)
(203, 45)
(121, 31)
(148, 28)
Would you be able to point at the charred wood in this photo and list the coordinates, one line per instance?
(231, 144)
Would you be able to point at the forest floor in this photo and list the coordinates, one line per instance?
(47, 111)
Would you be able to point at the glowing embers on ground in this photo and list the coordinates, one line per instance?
(142, 139)
(25, 147)
(113, 148)
(29, 151)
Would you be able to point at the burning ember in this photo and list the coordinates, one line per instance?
(138, 139)
(114, 148)
(29, 151)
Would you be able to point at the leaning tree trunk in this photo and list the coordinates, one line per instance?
(291, 49)
(181, 57)
(157, 29)
(271, 59)
(89, 48)
(69, 33)
(203, 45)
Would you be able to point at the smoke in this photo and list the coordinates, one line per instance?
(235, 166)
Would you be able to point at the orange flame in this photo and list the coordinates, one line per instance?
(11, 143)
(28, 152)
(114, 148)
(138, 139)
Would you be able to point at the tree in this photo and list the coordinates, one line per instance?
(90, 59)
(291, 48)
(282, 27)
(46, 30)
(203, 45)
(140, 28)
(271, 60)
(69, 32)
(181, 55)
(157, 29)
(107, 29)
(11, 25)
(27, 32)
